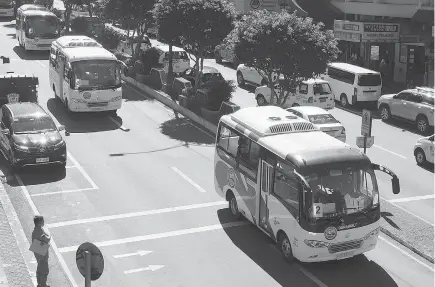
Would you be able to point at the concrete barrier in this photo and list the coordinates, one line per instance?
(166, 100)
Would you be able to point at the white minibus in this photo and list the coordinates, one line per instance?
(36, 29)
(180, 59)
(85, 76)
(352, 84)
(6, 8)
(312, 194)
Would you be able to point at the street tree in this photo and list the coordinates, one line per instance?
(46, 3)
(204, 24)
(134, 15)
(168, 17)
(284, 48)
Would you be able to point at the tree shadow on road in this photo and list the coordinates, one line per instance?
(82, 122)
(31, 55)
(355, 272)
(185, 130)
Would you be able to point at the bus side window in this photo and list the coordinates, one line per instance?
(249, 153)
(286, 188)
(53, 58)
(66, 70)
(228, 140)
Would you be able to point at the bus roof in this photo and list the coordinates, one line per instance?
(88, 53)
(38, 13)
(77, 41)
(352, 68)
(27, 7)
(291, 138)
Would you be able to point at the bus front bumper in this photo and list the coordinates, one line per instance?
(83, 106)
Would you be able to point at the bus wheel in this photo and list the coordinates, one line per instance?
(232, 202)
(285, 247)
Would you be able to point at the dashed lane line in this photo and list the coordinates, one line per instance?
(185, 177)
(413, 198)
(136, 214)
(159, 235)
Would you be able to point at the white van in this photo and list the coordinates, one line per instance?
(352, 84)
(180, 59)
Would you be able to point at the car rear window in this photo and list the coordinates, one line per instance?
(322, 119)
(180, 55)
(369, 80)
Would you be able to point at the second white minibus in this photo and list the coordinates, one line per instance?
(352, 84)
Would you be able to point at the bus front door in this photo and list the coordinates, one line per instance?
(265, 188)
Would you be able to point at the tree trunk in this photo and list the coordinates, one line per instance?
(169, 79)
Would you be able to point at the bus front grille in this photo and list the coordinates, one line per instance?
(345, 246)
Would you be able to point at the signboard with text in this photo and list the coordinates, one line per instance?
(366, 124)
(347, 30)
(381, 32)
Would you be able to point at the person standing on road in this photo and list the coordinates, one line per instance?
(40, 233)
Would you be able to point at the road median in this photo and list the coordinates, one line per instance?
(406, 229)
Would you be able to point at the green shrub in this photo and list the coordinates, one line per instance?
(110, 38)
(217, 91)
(150, 59)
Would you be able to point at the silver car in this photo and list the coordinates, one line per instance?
(321, 119)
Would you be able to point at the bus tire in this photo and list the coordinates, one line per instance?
(55, 94)
(285, 247)
(232, 205)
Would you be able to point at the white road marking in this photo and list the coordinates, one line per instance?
(62, 192)
(312, 277)
(84, 173)
(42, 64)
(120, 126)
(70, 166)
(413, 198)
(409, 212)
(139, 253)
(407, 254)
(159, 235)
(52, 242)
(188, 179)
(386, 150)
(149, 268)
(135, 214)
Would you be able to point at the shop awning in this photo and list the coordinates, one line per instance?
(424, 16)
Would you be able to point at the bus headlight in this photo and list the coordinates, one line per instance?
(373, 233)
(115, 99)
(316, 244)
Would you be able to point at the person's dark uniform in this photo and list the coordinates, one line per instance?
(40, 233)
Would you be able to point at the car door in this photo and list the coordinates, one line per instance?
(5, 124)
(413, 107)
(399, 104)
(429, 149)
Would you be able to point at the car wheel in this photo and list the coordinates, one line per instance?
(285, 247)
(240, 79)
(261, 101)
(343, 100)
(54, 91)
(420, 157)
(385, 113)
(217, 57)
(422, 124)
(232, 204)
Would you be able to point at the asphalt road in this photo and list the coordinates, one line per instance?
(146, 196)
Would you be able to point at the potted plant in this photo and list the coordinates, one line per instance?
(217, 91)
(138, 69)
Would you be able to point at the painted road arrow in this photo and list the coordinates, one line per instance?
(149, 268)
(138, 253)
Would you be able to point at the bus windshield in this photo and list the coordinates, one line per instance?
(340, 191)
(96, 74)
(42, 26)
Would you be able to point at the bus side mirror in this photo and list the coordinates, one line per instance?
(396, 185)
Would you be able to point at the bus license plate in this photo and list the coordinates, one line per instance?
(345, 255)
(42, 160)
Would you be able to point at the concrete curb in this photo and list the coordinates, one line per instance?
(407, 245)
(166, 100)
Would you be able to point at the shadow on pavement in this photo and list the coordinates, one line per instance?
(359, 107)
(82, 122)
(145, 152)
(228, 65)
(247, 87)
(407, 126)
(355, 272)
(12, 35)
(36, 175)
(183, 129)
(31, 55)
(7, 19)
(385, 215)
(130, 94)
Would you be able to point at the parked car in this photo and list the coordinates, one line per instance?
(321, 119)
(208, 74)
(423, 150)
(414, 105)
(312, 92)
(250, 76)
(30, 137)
(225, 52)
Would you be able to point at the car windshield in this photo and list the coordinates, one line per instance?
(322, 119)
(369, 80)
(341, 191)
(180, 56)
(41, 26)
(96, 74)
(36, 124)
(322, 89)
(211, 76)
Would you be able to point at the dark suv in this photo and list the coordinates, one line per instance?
(30, 137)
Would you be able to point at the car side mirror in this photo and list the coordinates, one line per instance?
(396, 185)
(61, 128)
(6, 132)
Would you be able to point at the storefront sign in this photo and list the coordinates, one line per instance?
(409, 38)
(382, 32)
(374, 53)
(347, 30)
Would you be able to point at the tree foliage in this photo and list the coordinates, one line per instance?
(46, 3)
(204, 24)
(283, 44)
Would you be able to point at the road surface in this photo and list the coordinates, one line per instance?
(146, 197)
